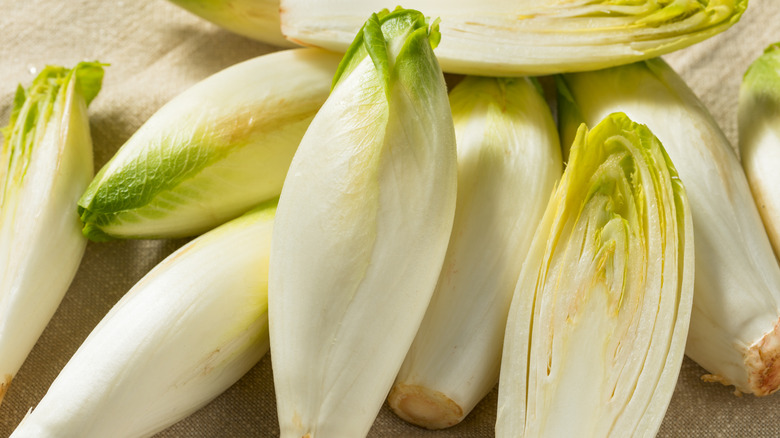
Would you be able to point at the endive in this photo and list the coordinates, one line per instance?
(213, 152)
(181, 336)
(256, 19)
(734, 333)
(361, 231)
(509, 159)
(759, 137)
(45, 165)
(596, 331)
(511, 37)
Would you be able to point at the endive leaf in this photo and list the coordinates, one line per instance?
(361, 231)
(45, 164)
(597, 327)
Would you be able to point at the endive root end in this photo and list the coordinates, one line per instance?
(6, 382)
(424, 407)
(762, 361)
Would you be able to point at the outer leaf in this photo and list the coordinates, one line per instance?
(514, 37)
(734, 332)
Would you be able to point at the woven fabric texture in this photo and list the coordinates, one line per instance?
(155, 51)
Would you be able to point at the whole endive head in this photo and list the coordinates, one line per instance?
(759, 136)
(45, 164)
(211, 153)
(362, 228)
(599, 318)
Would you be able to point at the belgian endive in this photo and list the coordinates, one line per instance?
(734, 331)
(597, 327)
(509, 159)
(211, 153)
(512, 37)
(45, 165)
(361, 231)
(759, 137)
(256, 19)
(182, 335)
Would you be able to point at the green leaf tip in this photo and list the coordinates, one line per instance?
(383, 31)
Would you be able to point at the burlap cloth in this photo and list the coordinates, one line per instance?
(156, 50)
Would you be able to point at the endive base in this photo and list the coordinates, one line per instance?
(424, 407)
(762, 360)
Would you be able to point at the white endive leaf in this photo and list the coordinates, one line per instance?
(518, 37)
(734, 333)
(759, 137)
(362, 229)
(256, 19)
(509, 159)
(46, 164)
(211, 153)
(182, 335)
(597, 327)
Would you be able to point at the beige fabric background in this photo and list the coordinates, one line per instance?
(157, 50)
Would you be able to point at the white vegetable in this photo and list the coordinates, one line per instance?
(361, 232)
(188, 330)
(515, 37)
(596, 331)
(734, 333)
(213, 152)
(256, 19)
(46, 163)
(759, 137)
(509, 158)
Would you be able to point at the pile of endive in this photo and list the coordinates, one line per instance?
(392, 236)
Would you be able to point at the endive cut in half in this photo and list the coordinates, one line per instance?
(362, 230)
(182, 335)
(759, 137)
(597, 327)
(509, 159)
(734, 331)
(211, 153)
(516, 37)
(45, 165)
(256, 19)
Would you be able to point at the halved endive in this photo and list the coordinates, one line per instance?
(182, 335)
(597, 328)
(362, 230)
(256, 19)
(734, 331)
(45, 165)
(514, 37)
(509, 159)
(213, 152)
(759, 137)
